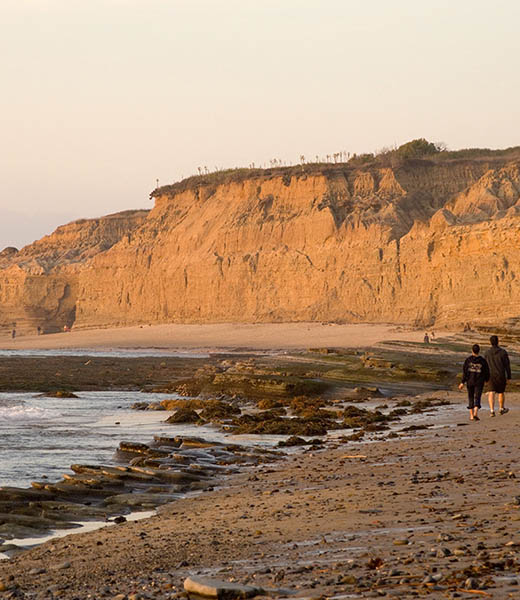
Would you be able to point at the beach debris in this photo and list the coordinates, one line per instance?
(353, 456)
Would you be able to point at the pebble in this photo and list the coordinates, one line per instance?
(471, 584)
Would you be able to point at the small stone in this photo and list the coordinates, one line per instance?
(401, 542)
(471, 584)
(120, 519)
(64, 565)
(37, 571)
(119, 597)
(443, 552)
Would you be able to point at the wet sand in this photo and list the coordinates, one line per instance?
(425, 515)
(224, 336)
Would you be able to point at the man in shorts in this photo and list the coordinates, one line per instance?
(500, 372)
(475, 373)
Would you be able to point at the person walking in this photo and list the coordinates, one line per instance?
(500, 372)
(475, 373)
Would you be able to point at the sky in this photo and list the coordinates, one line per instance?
(101, 98)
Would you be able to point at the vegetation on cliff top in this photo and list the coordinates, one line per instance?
(419, 152)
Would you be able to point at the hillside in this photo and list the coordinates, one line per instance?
(431, 240)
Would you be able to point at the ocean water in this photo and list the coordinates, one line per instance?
(105, 353)
(41, 437)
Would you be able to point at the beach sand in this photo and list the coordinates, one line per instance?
(433, 512)
(223, 336)
(426, 514)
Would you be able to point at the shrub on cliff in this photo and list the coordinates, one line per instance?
(417, 149)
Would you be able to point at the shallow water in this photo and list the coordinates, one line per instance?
(104, 353)
(41, 437)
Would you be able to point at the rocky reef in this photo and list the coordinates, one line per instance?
(426, 241)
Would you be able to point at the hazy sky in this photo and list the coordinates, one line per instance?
(99, 98)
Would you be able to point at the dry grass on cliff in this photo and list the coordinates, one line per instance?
(392, 158)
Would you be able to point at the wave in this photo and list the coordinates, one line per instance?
(21, 412)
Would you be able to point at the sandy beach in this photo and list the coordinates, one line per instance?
(431, 514)
(223, 336)
(427, 510)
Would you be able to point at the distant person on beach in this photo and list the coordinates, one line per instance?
(13, 334)
(426, 338)
(432, 335)
(500, 372)
(39, 329)
(475, 373)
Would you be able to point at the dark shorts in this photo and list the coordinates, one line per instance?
(474, 395)
(497, 385)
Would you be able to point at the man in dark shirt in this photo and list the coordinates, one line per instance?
(475, 373)
(500, 369)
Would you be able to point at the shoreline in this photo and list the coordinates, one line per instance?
(421, 511)
(396, 517)
(221, 336)
(210, 435)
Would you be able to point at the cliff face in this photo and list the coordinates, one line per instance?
(428, 242)
(39, 284)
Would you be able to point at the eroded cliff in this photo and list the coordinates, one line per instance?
(39, 284)
(427, 242)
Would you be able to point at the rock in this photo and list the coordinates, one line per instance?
(60, 394)
(216, 411)
(293, 440)
(139, 406)
(119, 519)
(372, 392)
(471, 584)
(214, 588)
(183, 415)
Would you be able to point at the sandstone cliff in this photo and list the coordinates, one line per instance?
(426, 242)
(39, 284)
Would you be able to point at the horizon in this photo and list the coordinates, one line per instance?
(102, 100)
